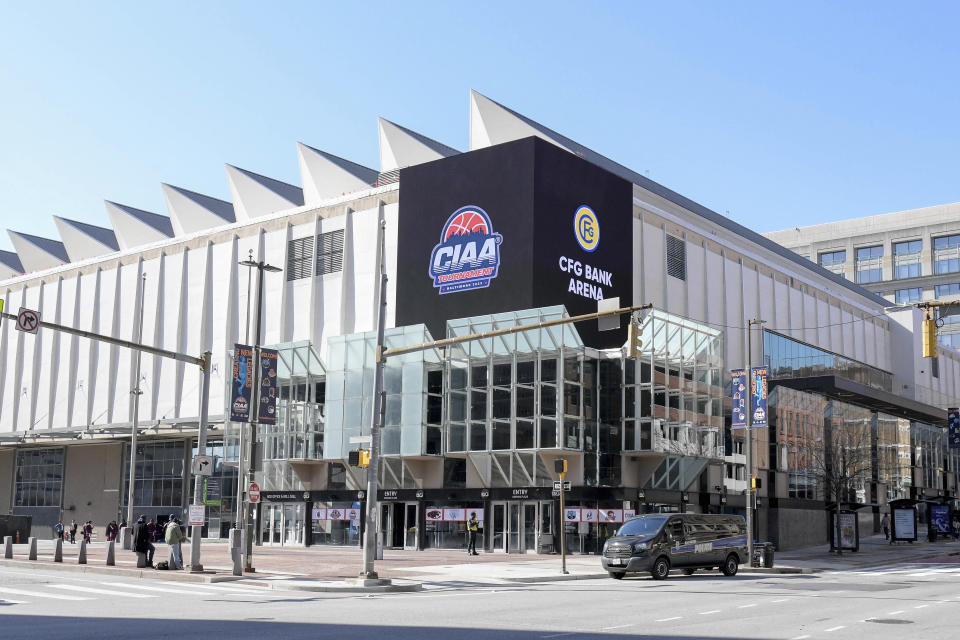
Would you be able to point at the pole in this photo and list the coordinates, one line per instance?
(370, 533)
(241, 476)
(136, 392)
(254, 414)
(195, 564)
(747, 445)
(563, 527)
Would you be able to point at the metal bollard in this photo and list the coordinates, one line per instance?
(8, 547)
(111, 553)
(32, 554)
(58, 550)
(82, 555)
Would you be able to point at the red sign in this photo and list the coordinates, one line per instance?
(253, 493)
(28, 320)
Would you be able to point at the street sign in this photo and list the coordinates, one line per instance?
(567, 485)
(608, 323)
(28, 320)
(253, 493)
(360, 440)
(203, 466)
(197, 515)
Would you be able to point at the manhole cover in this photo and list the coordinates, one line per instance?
(890, 621)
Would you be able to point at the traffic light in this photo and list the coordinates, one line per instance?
(364, 458)
(633, 340)
(929, 330)
(359, 458)
(560, 466)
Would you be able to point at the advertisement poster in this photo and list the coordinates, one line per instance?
(352, 514)
(433, 514)
(588, 515)
(571, 515)
(738, 398)
(758, 396)
(953, 428)
(610, 515)
(940, 517)
(241, 387)
(469, 512)
(847, 530)
(629, 513)
(336, 514)
(904, 524)
(453, 515)
(318, 514)
(268, 386)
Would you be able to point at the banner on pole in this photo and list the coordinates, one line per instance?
(241, 389)
(758, 396)
(738, 398)
(953, 427)
(268, 386)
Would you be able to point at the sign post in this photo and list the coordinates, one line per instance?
(560, 466)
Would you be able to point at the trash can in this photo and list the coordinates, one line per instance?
(768, 554)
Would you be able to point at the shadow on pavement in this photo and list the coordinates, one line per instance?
(262, 626)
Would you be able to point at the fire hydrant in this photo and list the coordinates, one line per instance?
(17, 539)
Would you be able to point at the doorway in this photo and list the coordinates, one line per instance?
(283, 524)
(398, 522)
(522, 526)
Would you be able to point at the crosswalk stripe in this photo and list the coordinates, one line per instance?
(217, 588)
(106, 592)
(40, 594)
(126, 585)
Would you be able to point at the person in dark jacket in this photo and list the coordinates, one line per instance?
(141, 540)
(73, 532)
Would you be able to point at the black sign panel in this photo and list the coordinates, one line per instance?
(514, 226)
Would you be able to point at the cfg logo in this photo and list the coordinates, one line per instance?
(468, 255)
(586, 228)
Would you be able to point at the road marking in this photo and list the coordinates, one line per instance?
(619, 626)
(780, 600)
(921, 606)
(9, 601)
(801, 637)
(558, 635)
(137, 586)
(893, 613)
(106, 592)
(835, 628)
(218, 589)
(669, 619)
(746, 606)
(40, 594)
(706, 613)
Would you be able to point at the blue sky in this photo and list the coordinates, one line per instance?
(780, 114)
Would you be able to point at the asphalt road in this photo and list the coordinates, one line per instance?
(916, 601)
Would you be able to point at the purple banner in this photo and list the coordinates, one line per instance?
(268, 386)
(241, 387)
(738, 398)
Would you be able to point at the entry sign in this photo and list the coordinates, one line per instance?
(253, 492)
(203, 466)
(197, 515)
(953, 427)
(28, 320)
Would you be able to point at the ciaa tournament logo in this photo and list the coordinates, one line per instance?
(468, 255)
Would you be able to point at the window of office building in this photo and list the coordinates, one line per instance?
(39, 477)
(789, 358)
(158, 478)
(833, 261)
(943, 291)
(906, 259)
(906, 296)
(869, 267)
(946, 254)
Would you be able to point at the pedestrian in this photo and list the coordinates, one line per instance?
(141, 540)
(152, 530)
(73, 532)
(87, 531)
(58, 530)
(473, 528)
(173, 536)
(956, 530)
(112, 530)
(885, 525)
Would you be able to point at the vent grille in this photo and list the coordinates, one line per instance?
(330, 253)
(388, 177)
(299, 257)
(676, 257)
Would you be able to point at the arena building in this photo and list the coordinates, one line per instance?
(526, 225)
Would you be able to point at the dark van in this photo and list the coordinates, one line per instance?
(687, 541)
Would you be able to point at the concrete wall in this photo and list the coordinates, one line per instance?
(91, 486)
(797, 528)
(7, 459)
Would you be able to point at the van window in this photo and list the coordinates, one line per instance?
(675, 528)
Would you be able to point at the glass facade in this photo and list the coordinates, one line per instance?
(946, 254)
(833, 261)
(906, 296)
(39, 478)
(906, 259)
(894, 466)
(869, 264)
(789, 358)
(158, 476)
(219, 491)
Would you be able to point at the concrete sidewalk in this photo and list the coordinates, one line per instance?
(327, 568)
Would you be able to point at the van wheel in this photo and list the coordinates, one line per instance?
(661, 569)
(616, 575)
(730, 566)
(689, 572)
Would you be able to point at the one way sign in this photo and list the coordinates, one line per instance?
(203, 466)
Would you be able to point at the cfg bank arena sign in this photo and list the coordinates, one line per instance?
(515, 226)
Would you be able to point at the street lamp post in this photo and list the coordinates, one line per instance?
(748, 445)
(136, 392)
(261, 267)
(246, 340)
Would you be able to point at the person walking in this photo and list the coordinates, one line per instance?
(885, 525)
(73, 532)
(173, 536)
(87, 531)
(58, 530)
(473, 528)
(141, 540)
(112, 531)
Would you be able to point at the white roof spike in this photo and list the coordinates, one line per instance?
(191, 211)
(36, 253)
(400, 147)
(9, 265)
(135, 227)
(325, 175)
(492, 123)
(255, 195)
(83, 240)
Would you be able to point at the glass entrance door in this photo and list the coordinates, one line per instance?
(527, 523)
(410, 525)
(272, 523)
(293, 523)
(499, 539)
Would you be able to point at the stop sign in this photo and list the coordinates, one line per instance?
(253, 493)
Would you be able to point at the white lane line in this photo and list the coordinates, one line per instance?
(706, 613)
(218, 589)
(780, 600)
(106, 592)
(921, 606)
(746, 606)
(619, 626)
(669, 619)
(40, 594)
(893, 613)
(835, 628)
(9, 601)
(801, 637)
(559, 635)
(138, 586)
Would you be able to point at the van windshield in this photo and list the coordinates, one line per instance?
(642, 526)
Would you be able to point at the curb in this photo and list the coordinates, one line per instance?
(147, 574)
(337, 587)
(559, 578)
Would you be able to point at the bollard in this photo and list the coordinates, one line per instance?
(58, 550)
(235, 538)
(8, 547)
(111, 553)
(32, 555)
(82, 555)
(141, 560)
(237, 556)
(126, 538)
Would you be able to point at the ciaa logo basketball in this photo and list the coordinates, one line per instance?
(468, 254)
